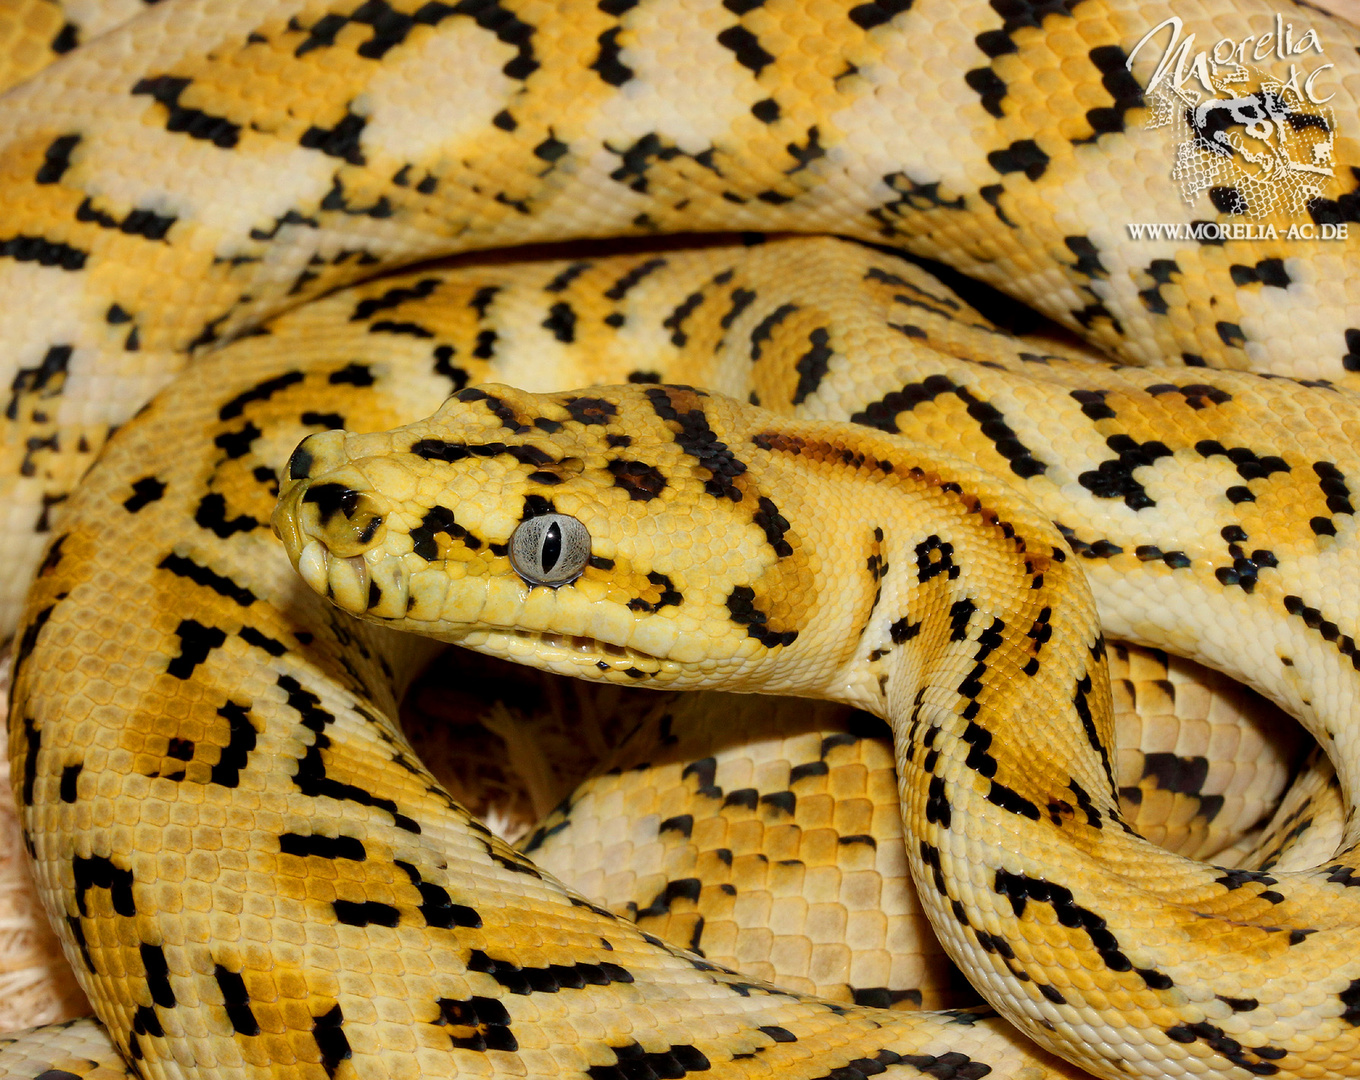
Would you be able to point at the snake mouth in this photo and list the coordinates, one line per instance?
(352, 584)
(568, 653)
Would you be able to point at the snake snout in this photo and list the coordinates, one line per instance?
(330, 518)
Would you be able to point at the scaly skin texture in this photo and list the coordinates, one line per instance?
(201, 744)
(166, 615)
(203, 166)
(273, 749)
(982, 650)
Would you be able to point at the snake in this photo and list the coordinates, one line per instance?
(812, 470)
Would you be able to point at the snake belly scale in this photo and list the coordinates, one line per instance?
(251, 871)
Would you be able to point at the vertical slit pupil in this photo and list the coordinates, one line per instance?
(552, 547)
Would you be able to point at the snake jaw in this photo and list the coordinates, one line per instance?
(577, 655)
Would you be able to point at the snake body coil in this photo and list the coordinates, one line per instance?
(252, 873)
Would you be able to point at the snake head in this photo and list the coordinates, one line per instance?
(617, 533)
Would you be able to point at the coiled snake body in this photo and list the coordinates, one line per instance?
(252, 873)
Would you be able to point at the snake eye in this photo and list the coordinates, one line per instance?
(551, 549)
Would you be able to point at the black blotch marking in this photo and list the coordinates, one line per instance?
(642, 481)
(21, 655)
(607, 63)
(436, 906)
(989, 87)
(196, 642)
(635, 1063)
(439, 520)
(144, 223)
(24, 248)
(1228, 200)
(144, 492)
(1351, 361)
(1314, 620)
(880, 997)
(681, 823)
(330, 421)
(746, 47)
(683, 889)
(812, 365)
(311, 778)
(766, 110)
(1266, 272)
(394, 297)
(439, 450)
(933, 557)
(201, 575)
(390, 326)
(366, 913)
(261, 392)
(1197, 395)
(328, 1031)
(1334, 488)
(591, 410)
(867, 16)
(157, 974)
(57, 159)
(762, 331)
(549, 979)
(1020, 889)
(241, 740)
(1114, 479)
(669, 595)
(97, 872)
(938, 810)
(1221, 1043)
(1088, 261)
(332, 499)
(1161, 271)
(1119, 83)
(236, 1001)
(741, 604)
(165, 90)
(741, 300)
(774, 525)
(807, 769)
(304, 845)
(561, 321)
(478, 1023)
(1023, 156)
(1081, 701)
(567, 276)
(254, 637)
(991, 422)
(68, 37)
(903, 630)
(70, 775)
(620, 288)
(551, 149)
(46, 380)
(676, 319)
(697, 439)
